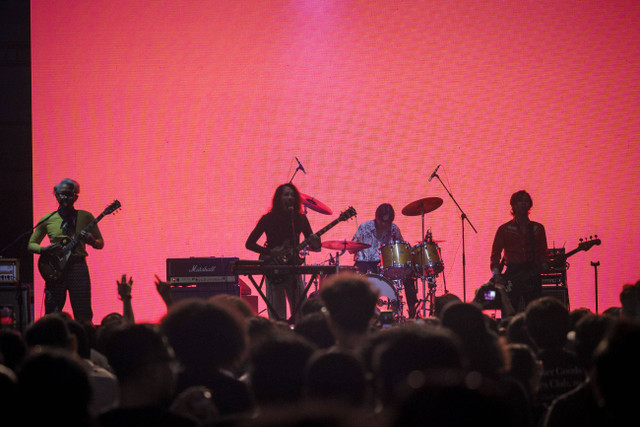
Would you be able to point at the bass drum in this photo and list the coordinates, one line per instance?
(388, 298)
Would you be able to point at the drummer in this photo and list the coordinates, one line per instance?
(377, 232)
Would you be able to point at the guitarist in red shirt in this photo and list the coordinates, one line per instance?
(282, 226)
(61, 226)
(522, 243)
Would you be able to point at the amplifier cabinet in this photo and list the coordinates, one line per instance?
(204, 291)
(197, 271)
(9, 270)
(15, 306)
(561, 293)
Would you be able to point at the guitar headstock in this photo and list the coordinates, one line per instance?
(586, 244)
(115, 205)
(347, 214)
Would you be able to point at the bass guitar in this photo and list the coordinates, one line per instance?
(52, 264)
(292, 256)
(522, 277)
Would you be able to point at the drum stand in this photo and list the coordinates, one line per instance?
(428, 297)
(400, 317)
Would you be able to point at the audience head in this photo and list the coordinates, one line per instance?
(315, 328)
(589, 333)
(140, 356)
(311, 305)
(204, 336)
(630, 300)
(336, 376)
(52, 385)
(524, 367)
(49, 331)
(616, 373)
(517, 331)
(479, 343)
(408, 357)
(350, 301)
(547, 321)
(442, 301)
(233, 302)
(277, 369)
(13, 348)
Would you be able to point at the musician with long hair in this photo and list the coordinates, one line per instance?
(282, 226)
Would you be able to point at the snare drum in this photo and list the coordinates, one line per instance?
(396, 259)
(426, 259)
(388, 298)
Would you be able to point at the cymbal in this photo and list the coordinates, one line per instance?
(433, 241)
(345, 245)
(422, 206)
(315, 204)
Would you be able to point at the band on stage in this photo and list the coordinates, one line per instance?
(404, 274)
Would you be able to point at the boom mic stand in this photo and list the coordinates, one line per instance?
(463, 217)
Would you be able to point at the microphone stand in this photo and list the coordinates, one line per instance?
(294, 174)
(463, 217)
(595, 272)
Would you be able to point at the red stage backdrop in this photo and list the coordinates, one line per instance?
(191, 113)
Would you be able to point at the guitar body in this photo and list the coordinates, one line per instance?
(288, 257)
(522, 278)
(52, 265)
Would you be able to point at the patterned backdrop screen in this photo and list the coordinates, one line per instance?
(192, 113)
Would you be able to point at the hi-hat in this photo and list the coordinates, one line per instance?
(422, 206)
(315, 204)
(344, 245)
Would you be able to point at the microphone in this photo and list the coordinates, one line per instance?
(300, 166)
(434, 173)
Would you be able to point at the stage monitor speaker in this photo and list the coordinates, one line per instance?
(204, 291)
(561, 293)
(15, 306)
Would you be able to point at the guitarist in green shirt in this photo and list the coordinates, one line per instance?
(66, 272)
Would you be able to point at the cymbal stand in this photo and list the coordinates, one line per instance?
(422, 270)
(463, 217)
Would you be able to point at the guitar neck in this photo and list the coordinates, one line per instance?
(76, 240)
(318, 233)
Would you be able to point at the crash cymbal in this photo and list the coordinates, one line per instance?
(341, 245)
(422, 206)
(315, 204)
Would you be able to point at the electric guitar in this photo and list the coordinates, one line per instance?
(522, 277)
(292, 256)
(52, 264)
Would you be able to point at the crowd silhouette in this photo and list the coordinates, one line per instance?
(215, 363)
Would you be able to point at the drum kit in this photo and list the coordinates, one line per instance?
(399, 259)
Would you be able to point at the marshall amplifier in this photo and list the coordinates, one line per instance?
(201, 271)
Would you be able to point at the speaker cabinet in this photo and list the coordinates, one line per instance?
(561, 293)
(204, 291)
(15, 306)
